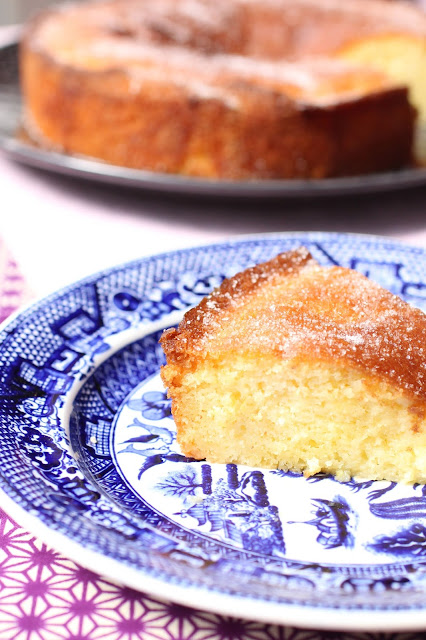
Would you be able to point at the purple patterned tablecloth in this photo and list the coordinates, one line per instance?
(45, 596)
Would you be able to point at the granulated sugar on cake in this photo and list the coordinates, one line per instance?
(297, 366)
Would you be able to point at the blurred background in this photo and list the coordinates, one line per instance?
(14, 11)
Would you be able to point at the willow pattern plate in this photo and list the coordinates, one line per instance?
(89, 461)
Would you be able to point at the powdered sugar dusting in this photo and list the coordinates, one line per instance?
(198, 45)
(295, 307)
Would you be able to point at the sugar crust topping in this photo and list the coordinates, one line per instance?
(294, 307)
(219, 43)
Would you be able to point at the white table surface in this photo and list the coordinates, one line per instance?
(60, 229)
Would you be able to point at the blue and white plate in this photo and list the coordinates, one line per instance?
(89, 460)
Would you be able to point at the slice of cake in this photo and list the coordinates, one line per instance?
(292, 365)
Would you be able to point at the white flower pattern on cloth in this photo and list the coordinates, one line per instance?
(44, 596)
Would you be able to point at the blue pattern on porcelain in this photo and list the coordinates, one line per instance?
(88, 445)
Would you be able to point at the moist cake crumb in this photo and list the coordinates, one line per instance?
(297, 366)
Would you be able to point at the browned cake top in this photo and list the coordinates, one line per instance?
(190, 41)
(292, 306)
(267, 29)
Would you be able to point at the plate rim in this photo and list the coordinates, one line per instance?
(311, 235)
(214, 601)
(95, 170)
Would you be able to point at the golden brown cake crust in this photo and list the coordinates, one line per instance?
(165, 86)
(294, 307)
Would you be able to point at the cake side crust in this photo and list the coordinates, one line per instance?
(301, 415)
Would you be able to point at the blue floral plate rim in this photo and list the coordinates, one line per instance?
(187, 591)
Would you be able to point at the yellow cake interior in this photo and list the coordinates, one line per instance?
(307, 416)
(403, 59)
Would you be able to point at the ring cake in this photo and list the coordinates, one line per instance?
(238, 89)
(292, 365)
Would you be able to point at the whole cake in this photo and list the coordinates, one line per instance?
(292, 365)
(235, 89)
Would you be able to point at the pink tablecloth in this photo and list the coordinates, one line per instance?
(13, 290)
